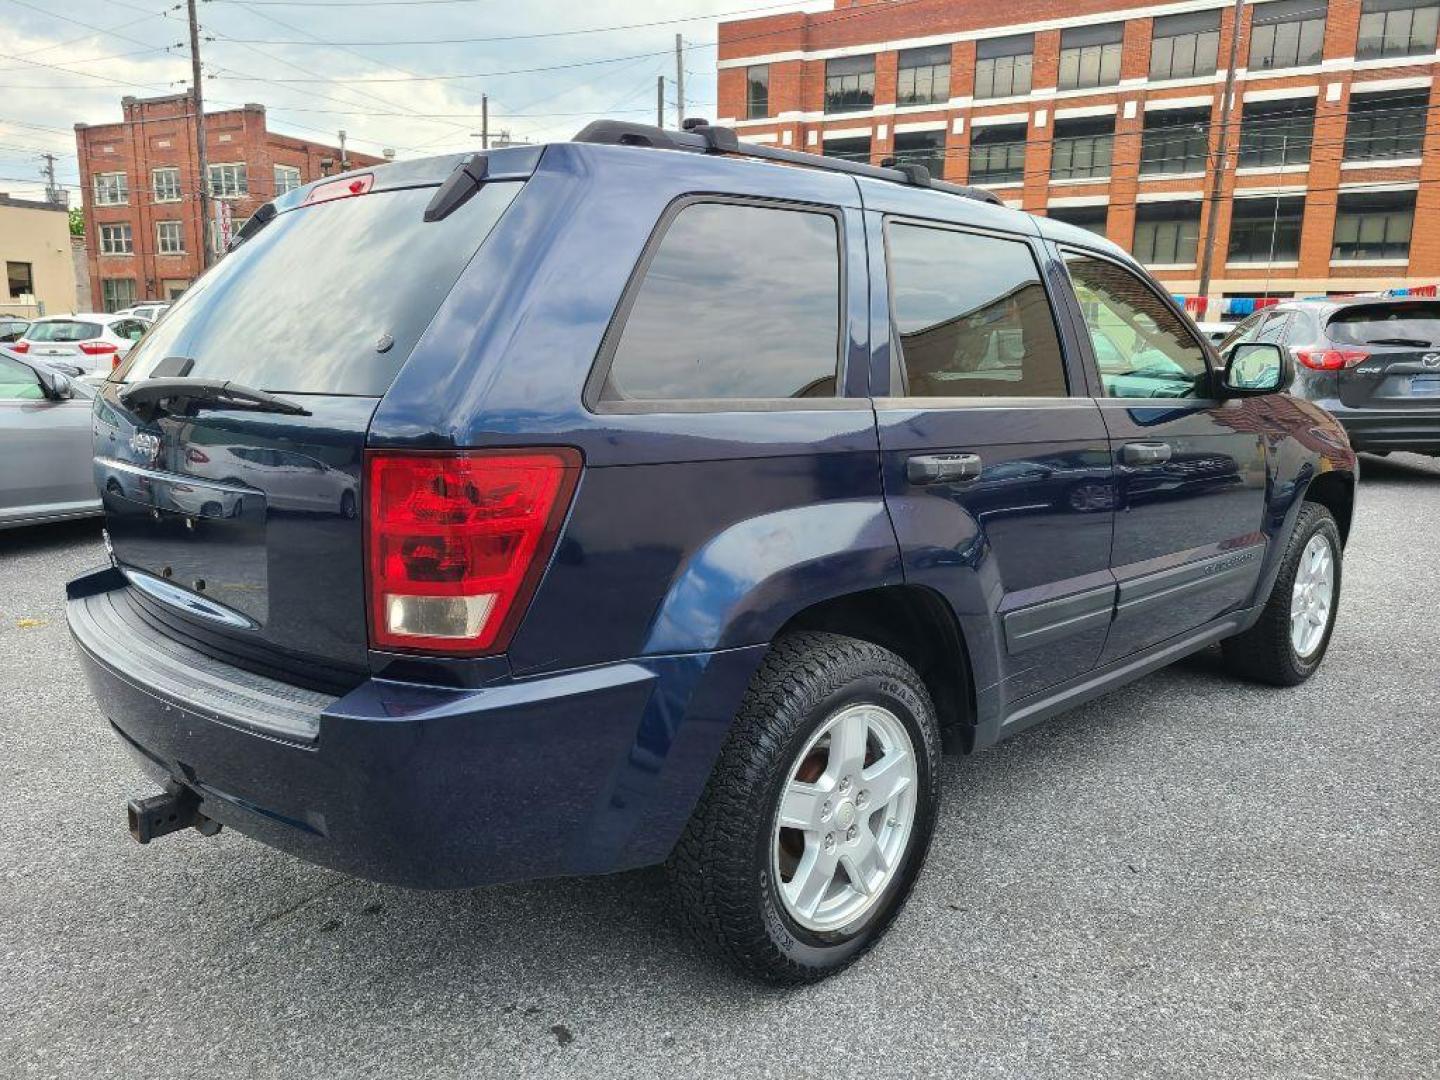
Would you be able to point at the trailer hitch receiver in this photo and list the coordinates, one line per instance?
(159, 815)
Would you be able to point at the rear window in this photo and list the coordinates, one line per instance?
(1416, 325)
(62, 331)
(326, 299)
(738, 302)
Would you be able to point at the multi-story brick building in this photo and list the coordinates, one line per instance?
(1108, 113)
(141, 183)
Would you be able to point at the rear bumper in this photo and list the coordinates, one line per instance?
(1417, 430)
(582, 772)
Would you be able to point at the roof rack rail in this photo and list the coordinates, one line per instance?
(702, 137)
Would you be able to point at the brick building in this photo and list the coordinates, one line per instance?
(140, 178)
(1108, 114)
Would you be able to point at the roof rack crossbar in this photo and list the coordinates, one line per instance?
(700, 137)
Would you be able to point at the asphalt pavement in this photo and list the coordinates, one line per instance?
(1191, 877)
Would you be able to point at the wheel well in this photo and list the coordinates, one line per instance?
(1336, 492)
(916, 624)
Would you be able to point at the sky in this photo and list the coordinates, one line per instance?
(368, 66)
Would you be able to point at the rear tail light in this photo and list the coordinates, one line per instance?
(456, 543)
(1331, 359)
(340, 189)
(21, 346)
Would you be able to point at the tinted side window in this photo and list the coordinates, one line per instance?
(1243, 331)
(972, 316)
(18, 382)
(737, 302)
(1142, 347)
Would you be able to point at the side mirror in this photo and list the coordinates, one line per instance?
(56, 386)
(1257, 367)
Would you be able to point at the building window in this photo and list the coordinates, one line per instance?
(786, 266)
(849, 84)
(1374, 225)
(1167, 233)
(924, 76)
(1003, 66)
(21, 278)
(229, 181)
(1175, 141)
(287, 178)
(112, 189)
(856, 149)
(1386, 126)
(997, 154)
(1397, 28)
(1083, 148)
(1186, 46)
(1090, 218)
(117, 293)
(165, 184)
(116, 240)
(1275, 133)
(1090, 56)
(169, 238)
(1266, 230)
(972, 316)
(925, 148)
(757, 91)
(1287, 33)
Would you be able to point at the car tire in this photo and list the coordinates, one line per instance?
(1268, 652)
(816, 696)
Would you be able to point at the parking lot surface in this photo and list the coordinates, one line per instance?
(1190, 877)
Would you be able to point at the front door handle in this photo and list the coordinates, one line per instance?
(1146, 453)
(942, 468)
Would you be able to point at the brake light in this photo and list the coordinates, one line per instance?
(1331, 359)
(339, 189)
(98, 348)
(456, 543)
(21, 346)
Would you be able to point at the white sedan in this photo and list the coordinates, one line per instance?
(94, 342)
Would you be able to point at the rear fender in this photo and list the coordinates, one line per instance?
(744, 584)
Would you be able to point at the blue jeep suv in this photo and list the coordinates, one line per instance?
(655, 498)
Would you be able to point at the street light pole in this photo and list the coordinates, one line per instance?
(201, 157)
(1222, 154)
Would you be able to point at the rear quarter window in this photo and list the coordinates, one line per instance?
(326, 299)
(737, 302)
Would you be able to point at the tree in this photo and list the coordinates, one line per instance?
(77, 221)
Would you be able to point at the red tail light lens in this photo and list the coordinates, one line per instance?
(340, 189)
(456, 543)
(1331, 359)
(98, 348)
(21, 346)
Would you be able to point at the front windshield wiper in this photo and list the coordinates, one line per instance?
(1419, 343)
(157, 397)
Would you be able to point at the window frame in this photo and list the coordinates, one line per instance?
(940, 95)
(275, 169)
(1342, 212)
(122, 187)
(1099, 144)
(173, 193)
(1075, 374)
(1101, 50)
(986, 147)
(101, 241)
(1091, 362)
(1258, 26)
(1199, 239)
(29, 278)
(1384, 13)
(1248, 221)
(1367, 119)
(859, 88)
(160, 241)
(609, 344)
(1170, 134)
(236, 169)
(120, 302)
(1156, 37)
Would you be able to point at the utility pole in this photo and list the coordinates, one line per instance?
(484, 121)
(679, 82)
(660, 101)
(344, 158)
(1222, 156)
(202, 158)
(53, 194)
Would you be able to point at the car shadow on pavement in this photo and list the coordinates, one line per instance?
(1413, 467)
(41, 539)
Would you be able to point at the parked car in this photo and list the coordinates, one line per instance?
(150, 310)
(703, 499)
(98, 342)
(12, 328)
(1372, 362)
(45, 445)
(1215, 332)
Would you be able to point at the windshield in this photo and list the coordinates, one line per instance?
(326, 299)
(62, 331)
(1416, 325)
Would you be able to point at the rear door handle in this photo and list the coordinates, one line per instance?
(1146, 453)
(942, 468)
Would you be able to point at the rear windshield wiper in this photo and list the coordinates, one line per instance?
(1418, 343)
(156, 397)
